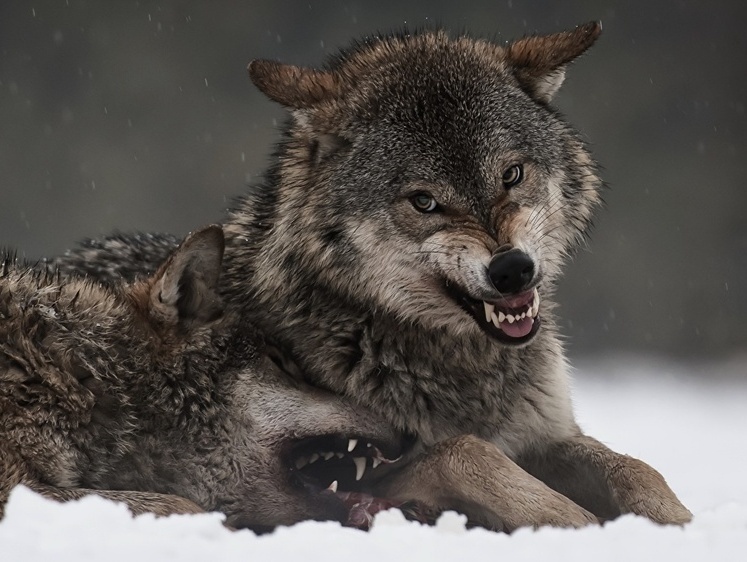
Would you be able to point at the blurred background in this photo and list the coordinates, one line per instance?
(140, 116)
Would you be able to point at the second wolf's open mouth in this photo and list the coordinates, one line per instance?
(333, 458)
(514, 319)
(345, 466)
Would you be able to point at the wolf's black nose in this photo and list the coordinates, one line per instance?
(511, 271)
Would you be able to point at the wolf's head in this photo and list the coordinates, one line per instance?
(428, 177)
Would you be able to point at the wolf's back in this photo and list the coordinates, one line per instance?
(115, 258)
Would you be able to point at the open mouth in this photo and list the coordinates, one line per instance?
(334, 458)
(345, 466)
(513, 319)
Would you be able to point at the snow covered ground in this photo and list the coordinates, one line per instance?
(693, 429)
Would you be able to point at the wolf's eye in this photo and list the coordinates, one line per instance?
(424, 202)
(513, 176)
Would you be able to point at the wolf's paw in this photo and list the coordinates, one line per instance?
(540, 506)
(559, 511)
(640, 489)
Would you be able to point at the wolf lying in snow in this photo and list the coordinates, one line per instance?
(403, 252)
(131, 392)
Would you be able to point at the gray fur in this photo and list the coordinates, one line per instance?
(365, 296)
(133, 392)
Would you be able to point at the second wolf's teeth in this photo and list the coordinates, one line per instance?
(510, 318)
(375, 462)
(494, 319)
(488, 311)
(351, 445)
(333, 487)
(501, 317)
(313, 458)
(328, 455)
(360, 467)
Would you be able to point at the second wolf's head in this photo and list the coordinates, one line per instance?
(430, 177)
(135, 387)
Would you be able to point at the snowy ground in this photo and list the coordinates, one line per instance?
(691, 429)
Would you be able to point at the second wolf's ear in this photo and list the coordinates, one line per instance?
(185, 290)
(295, 87)
(539, 62)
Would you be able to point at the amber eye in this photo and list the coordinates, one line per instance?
(513, 176)
(424, 202)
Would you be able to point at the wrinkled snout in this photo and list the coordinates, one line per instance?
(511, 271)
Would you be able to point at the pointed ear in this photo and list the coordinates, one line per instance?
(294, 87)
(539, 62)
(185, 290)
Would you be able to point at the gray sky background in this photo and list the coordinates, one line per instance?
(139, 116)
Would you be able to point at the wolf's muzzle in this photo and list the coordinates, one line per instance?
(511, 271)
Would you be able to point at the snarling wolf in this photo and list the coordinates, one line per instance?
(132, 392)
(403, 252)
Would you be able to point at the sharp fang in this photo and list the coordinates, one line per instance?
(301, 462)
(351, 445)
(536, 301)
(328, 455)
(333, 487)
(510, 318)
(313, 458)
(488, 310)
(360, 467)
(375, 462)
(501, 316)
(494, 319)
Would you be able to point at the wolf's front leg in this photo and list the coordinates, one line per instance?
(138, 502)
(474, 477)
(605, 482)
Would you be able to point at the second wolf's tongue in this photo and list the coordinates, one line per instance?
(518, 329)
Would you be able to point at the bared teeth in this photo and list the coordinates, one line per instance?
(496, 317)
(351, 445)
(488, 310)
(333, 487)
(360, 467)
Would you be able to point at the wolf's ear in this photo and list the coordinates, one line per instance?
(295, 87)
(539, 62)
(185, 290)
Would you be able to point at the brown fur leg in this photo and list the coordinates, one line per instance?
(605, 482)
(15, 471)
(136, 501)
(476, 478)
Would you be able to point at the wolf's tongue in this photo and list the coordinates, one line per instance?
(518, 329)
